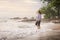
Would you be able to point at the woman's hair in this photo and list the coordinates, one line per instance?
(39, 12)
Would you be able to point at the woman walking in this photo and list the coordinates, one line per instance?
(38, 19)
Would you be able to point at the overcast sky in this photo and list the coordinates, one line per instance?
(19, 8)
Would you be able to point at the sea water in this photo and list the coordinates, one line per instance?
(15, 29)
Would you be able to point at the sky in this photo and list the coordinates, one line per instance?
(19, 8)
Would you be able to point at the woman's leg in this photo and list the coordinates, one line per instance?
(38, 25)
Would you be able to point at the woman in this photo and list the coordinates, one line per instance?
(38, 19)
